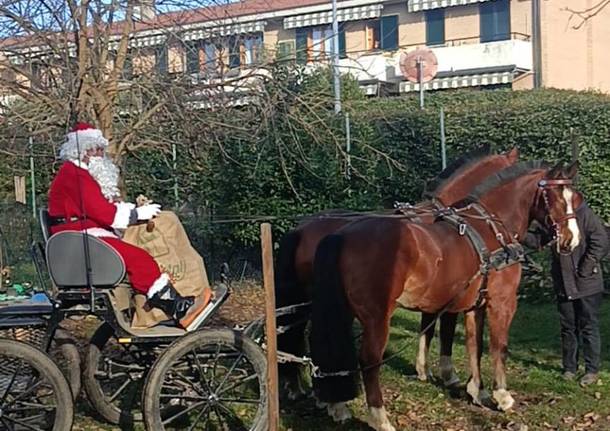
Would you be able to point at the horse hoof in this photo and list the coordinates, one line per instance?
(378, 420)
(451, 381)
(474, 392)
(504, 399)
(339, 412)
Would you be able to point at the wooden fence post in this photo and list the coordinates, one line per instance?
(270, 328)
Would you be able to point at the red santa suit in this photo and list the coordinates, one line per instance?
(76, 198)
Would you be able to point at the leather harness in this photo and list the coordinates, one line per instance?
(504, 256)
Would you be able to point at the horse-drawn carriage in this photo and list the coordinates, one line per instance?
(218, 375)
(165, 376)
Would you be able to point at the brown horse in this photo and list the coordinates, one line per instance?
(370, 267)
(297, 248)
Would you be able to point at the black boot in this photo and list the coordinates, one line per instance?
(170, 301)
(187, 311)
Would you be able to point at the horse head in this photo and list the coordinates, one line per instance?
(555, 206)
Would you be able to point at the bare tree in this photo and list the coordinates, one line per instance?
(583, 15)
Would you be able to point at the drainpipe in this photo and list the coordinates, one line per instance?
(536, 44)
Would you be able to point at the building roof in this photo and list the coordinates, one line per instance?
(211, 13)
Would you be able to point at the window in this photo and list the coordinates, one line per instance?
(161, 59)
(251, 49)
(285, 50)
(316, 43)
(435, 27)
(382, 33)
(495, 20)
(302, 45)
(372, 35)
(192, 56)
(234, 57)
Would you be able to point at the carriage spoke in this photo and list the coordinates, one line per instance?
(216, 356)
(182, 397)
(238, 384)
(8, 388)
(231, 416)
(202, 372)
(183, 412)
(241, 355)
(198, 418)
(240, 400)
(24, 394)
(119, 390)
(21, 423)
(7, 424)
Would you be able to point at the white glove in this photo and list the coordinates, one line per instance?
(148, 211)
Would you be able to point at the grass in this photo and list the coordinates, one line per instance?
(544, 400)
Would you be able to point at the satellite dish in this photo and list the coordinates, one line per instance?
(410, 65)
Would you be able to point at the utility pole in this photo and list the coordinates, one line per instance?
(335, 46)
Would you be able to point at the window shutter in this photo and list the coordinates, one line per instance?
(285, 50)
(389, 32)
(370, 37)
(342, 48)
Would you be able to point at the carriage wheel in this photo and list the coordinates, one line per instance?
(113, 377)
(208, 380)
(65, 353)
(34, 394)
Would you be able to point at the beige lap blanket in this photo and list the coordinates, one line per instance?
(171, 248)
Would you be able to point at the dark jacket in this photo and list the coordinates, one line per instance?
(577, 274)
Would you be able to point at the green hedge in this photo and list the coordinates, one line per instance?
(286, 157)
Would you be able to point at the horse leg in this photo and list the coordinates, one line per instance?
(447, 332)
(374, 340)
(426, 335)
(473, 321)
(500, 316)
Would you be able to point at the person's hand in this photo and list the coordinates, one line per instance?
(587, 268)
(148, 211)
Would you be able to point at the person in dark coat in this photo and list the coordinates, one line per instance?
(579, 285)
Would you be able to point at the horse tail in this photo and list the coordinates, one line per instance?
(288, 291)
(331, 339)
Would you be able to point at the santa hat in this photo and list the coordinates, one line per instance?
(81, 138)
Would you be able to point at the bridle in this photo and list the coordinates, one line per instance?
(543, 186)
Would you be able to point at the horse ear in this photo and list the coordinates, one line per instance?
(572, 170)
(513, 155)
(555, 171)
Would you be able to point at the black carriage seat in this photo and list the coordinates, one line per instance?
(45, 223)
(65, 253)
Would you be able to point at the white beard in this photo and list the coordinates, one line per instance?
(106, 173)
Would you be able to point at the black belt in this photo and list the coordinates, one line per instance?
(54, 221)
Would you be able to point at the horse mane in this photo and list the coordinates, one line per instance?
(434, 186)
(505, 175)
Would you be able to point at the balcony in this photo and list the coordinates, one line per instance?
(459, 60)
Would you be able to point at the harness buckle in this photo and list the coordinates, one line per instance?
(462, 229)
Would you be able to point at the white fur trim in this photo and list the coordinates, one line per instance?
(79, 163)
(159, 284)
(121, 218)
(80, 142)
(99, 232)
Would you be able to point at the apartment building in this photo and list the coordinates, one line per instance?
(518, 44)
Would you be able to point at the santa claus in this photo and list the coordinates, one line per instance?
(84, 196)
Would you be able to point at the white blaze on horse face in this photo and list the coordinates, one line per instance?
(568, 194)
